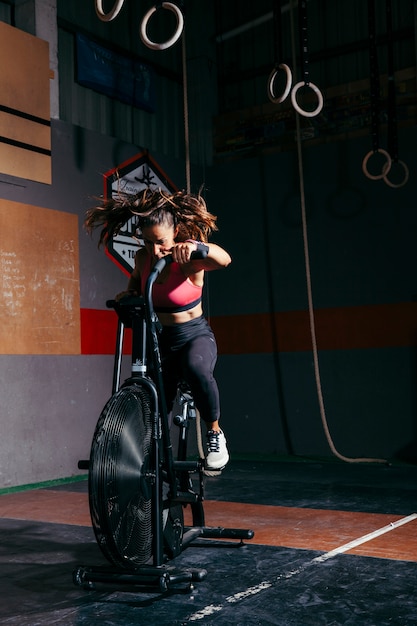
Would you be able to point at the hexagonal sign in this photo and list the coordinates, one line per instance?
(135, 174)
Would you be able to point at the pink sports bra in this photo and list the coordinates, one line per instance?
(176, 294)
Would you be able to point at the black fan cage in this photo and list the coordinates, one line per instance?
(120, 492)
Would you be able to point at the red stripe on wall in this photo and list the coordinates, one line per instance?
(99, 332)
(344, 328)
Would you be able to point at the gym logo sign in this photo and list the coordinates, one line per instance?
(130, 177)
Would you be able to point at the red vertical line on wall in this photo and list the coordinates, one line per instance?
(271, 306)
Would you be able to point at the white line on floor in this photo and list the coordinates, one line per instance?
(357, 542)
(251, 591)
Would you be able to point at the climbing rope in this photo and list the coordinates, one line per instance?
(310, 296)
(186, 118)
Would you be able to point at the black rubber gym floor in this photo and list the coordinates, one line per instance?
(335, 544)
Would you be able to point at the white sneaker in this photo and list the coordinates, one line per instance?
(217, 454)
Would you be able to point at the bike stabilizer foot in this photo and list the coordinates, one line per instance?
(150, 577)
(219, 532)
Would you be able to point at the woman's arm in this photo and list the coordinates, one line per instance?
(216, 258)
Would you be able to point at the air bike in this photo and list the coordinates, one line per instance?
(137, 489)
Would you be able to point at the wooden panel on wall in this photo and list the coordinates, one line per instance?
(25, 125)
(39, 279)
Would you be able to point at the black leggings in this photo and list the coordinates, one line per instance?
(189, 353)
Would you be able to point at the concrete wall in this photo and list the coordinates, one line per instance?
(362, 255)
(50, 404)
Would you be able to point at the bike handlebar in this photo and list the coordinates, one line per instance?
(167, 260)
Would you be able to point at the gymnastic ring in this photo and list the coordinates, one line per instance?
(406, 174)
(180, 25)
(107, 17)
(385, 169)
(297, 106)
(271, 95)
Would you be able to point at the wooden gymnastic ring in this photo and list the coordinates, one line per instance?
(167, 44)
(271, 95)
(107, 17)
(405, 179)
(297, 106)
(385, 169)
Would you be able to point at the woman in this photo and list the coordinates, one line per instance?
(176, 224)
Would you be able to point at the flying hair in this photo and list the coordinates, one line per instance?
(185, 211)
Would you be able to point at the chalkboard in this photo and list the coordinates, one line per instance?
(39, 279)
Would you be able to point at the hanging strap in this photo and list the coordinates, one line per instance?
(374, 77)
(374, 100)
(302, 27)
(277, 15)
(278, 54)
(305, 82)
(392, 139)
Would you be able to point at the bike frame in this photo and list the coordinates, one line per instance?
(138, 313)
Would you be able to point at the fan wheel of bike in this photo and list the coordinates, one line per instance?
(120, 492)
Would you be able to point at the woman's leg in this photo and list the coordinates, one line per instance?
(198, 361)
(199, 358)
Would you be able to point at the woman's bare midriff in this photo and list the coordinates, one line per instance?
(171, 319)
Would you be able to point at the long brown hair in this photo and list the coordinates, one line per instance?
(185, 211)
